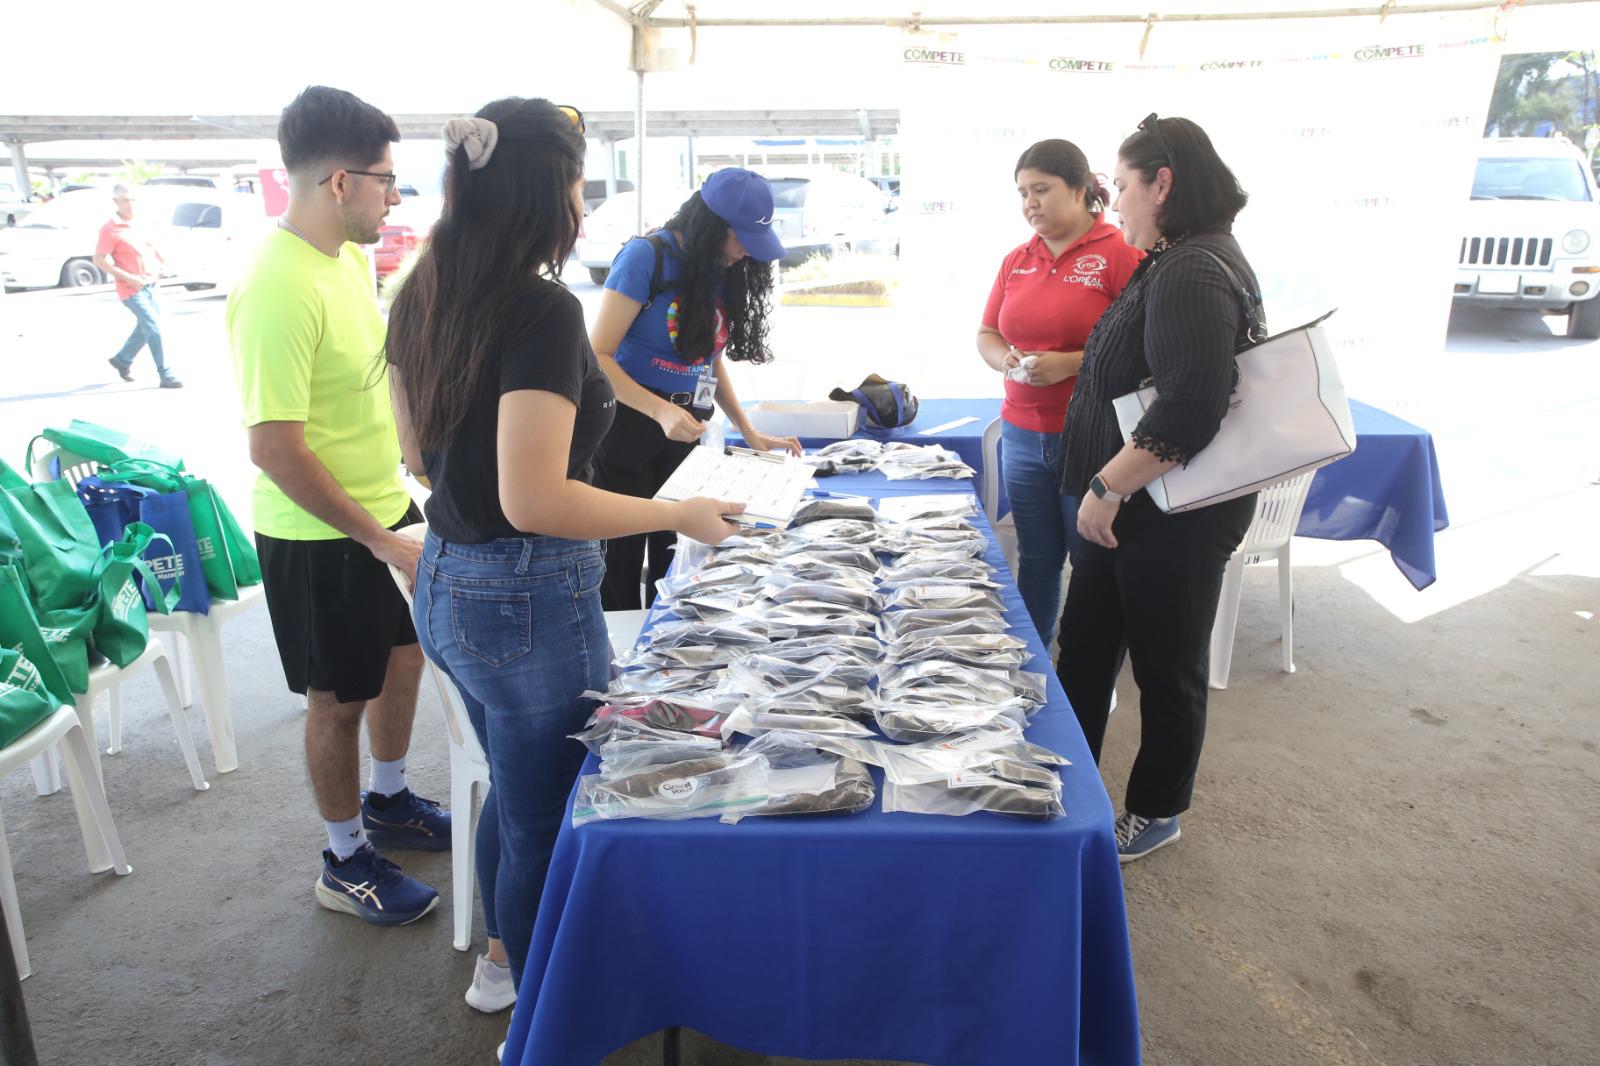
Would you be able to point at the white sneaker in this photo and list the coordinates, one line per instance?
(500, 1052)
(492, 990)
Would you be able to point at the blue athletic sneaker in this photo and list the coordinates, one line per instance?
(406, 820)
(373, 889)
(1138, 837)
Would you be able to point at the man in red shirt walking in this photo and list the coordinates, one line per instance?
(125, 253)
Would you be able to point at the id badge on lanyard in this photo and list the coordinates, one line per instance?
(705, 391)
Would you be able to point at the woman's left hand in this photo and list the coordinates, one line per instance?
(762, 443)
(1052, 367)
(1094, 520)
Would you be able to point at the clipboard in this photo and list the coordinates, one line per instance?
(769, 484)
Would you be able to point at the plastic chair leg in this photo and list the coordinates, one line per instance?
(113, 721)
(205, 641)
(1226, 622)
(180, 722)
(46, 772)
(178, 655)
(80, 773)
(10, 912)
(463, 834)
(87, 792)
(1286, 608)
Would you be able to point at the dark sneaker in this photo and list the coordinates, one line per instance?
(123, 372)
(405, 820)
(373, 889)
(1138, 837)
(169, 382)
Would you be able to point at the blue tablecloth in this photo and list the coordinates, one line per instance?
(965, 440)
(976, 941)
(1388, 490)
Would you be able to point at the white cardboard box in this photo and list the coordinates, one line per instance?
(829, 419)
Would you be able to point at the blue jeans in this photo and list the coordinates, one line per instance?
(1047, 521)
(146, 330)
(517, 625)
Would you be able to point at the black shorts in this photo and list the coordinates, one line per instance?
(335, 613)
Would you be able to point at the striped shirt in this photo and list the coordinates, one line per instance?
(1179, 322)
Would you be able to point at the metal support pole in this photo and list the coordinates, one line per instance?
(16, 1036)
(639, 132)
(611, 169)
(19, 166)
(693, 182)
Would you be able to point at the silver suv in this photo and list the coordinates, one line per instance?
(1534, 232)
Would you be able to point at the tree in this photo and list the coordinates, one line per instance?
(1544, 92)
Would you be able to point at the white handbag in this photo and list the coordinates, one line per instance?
(1288, 414)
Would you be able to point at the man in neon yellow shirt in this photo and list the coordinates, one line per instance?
(307, 343)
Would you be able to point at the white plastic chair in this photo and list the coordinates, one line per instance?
(1004, 526)
(106, 677)
(201, 633)
(469, 780)
(100, 840)
(1269, 536)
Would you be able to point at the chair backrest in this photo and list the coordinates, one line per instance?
(1277, 513)
(74, 467)
(456, 721)
(991, 470)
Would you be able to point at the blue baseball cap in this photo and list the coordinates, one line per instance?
(743, 199)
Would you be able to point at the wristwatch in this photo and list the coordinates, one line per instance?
(1097, 485)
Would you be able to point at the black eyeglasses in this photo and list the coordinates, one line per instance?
(388, 179)
(1153, 124)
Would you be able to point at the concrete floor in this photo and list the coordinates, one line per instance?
(1386, 862)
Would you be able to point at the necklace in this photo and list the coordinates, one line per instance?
(285, 225)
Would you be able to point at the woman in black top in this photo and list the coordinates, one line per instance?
(1145, 584)
(500, 401)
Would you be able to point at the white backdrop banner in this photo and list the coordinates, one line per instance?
(1355, 140)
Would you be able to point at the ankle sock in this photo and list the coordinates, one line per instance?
(388, 778)
(345, 838)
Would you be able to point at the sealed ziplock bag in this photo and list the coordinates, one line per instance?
(620, 756)
(907, 720)
(859, 594)
(846, 454)
(942, 597)
(692, 632)
(758, 723)
(805, 780)
(835, 531)
(819, 510)
(998, 797)
(907, 462)
(981, 683)
(729, 575)
(989, 650)
(714, 786)
(820, 564)
(812, 617)
(865, 650)
(974, 572)
(910, 508)
(637, 685)
(892, 627)
(674, 715)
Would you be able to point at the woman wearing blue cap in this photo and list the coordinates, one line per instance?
(676, 303)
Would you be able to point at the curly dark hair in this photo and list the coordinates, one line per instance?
(746, 289)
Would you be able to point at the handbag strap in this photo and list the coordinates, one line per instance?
(1249, 300)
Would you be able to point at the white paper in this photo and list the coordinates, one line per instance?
(957, 424)
(770, 485)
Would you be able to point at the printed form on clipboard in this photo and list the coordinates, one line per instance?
(769, 484)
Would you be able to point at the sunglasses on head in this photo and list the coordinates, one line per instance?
(1153, 124)
(574, 116)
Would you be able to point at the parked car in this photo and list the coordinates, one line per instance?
(608, 228)
(14, 205)
(1533, 232)
(407, 227)
(888, 184)
(820, 209)
(190, 181)
(203, 233)
(594, 192)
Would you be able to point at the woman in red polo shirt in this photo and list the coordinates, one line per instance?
(1049, 294)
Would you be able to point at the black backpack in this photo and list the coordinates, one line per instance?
(658, 245)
